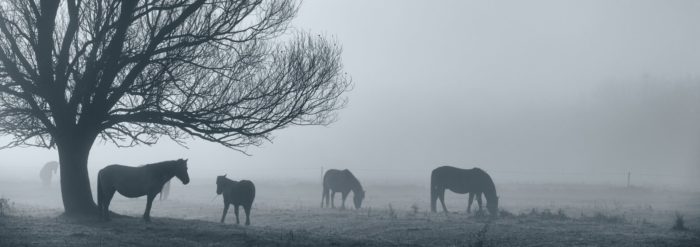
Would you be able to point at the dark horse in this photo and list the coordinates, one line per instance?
(343, 182)
(473, 181)
(134, 182)
(237, 193)
(47, 172)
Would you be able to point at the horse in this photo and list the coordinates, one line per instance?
(344, 182)
(473, 181)
(165, 192)
(47, 172)
(135, 182)
(238, 193)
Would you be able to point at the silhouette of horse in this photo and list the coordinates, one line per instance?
(47, 172)
(344, 182)
(237, 193)
(165, 192)
(135, 182)
(473, 181)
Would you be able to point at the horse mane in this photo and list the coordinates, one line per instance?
(225, 179)
(490, 186)
(159, 166)
(355, 181)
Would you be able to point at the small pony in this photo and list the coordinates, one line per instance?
(135, 182)
(237, 193)
(344, 182)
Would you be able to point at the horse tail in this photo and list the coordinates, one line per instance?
(433, 191)
(252, 188)
(324, 191)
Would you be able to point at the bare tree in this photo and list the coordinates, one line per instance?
(131, 72)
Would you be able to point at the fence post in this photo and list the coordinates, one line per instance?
(628, 179)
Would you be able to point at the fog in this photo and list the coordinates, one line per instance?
(530, 91)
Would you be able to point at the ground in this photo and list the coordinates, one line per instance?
(288, 214)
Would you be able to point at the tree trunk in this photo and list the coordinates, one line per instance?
(75, 183)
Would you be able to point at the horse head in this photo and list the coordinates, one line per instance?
(220, 184)
(492, 205)
(181, 171)
(357, 199)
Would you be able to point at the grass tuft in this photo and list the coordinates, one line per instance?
(4, 206)
(480, 239)
(545, 214)
(415, 209)
(604, 218)
(392, 212)
(679, 225)
(505, 214)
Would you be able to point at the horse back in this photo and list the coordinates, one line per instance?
(128, 181)
(240, 193)
(462, 181)
(340, 181)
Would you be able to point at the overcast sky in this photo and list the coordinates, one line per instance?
(531, 91)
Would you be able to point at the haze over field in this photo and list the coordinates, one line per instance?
(531, 91)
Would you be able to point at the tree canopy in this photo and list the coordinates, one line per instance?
(131, 72)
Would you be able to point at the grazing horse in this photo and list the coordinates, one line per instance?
(343, 182)
(134, 182)
(47, 172)
(240, 193)
(473, 181)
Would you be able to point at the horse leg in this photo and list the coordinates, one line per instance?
(345, 195)
(323, 196)
(478, 200)
(247, 214)
(441, 196)
(332, 199)
(433, 198)
(223, 216)
(149, 202)
(235, 210)
(469, 205)
(107, 199)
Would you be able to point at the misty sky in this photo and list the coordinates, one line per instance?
(531, 91)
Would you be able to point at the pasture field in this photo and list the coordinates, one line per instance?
(288, 214)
